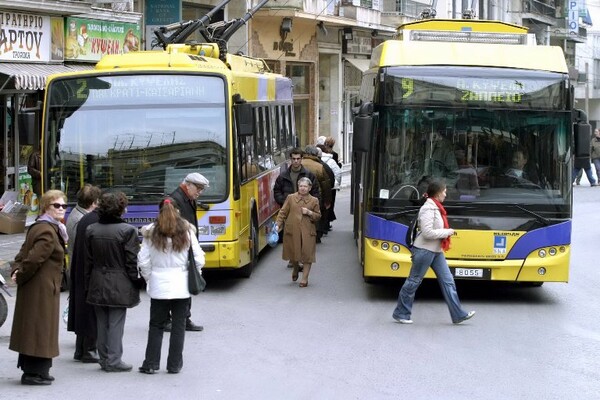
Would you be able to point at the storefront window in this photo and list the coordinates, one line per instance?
(300, 75)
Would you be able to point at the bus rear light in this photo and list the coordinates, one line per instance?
(542, 271)
(217, 219)
(395, 266)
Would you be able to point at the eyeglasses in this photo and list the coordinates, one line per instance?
(58, 205)
(199, 187)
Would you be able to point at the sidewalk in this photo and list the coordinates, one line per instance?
(9, 247)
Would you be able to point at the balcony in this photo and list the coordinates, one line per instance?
(398, 12)
(560, 31)
(540, 11)
(316, 7)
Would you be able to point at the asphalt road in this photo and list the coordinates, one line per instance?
(266, 338)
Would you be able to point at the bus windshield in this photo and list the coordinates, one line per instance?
(485, 156)
(141, 134)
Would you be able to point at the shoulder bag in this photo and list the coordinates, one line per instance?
(196, 282)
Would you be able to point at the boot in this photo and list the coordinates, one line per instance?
(295, 271)
(305, 272)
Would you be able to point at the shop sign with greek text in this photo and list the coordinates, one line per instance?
(24, 37)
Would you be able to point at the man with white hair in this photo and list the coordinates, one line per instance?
(185, 197)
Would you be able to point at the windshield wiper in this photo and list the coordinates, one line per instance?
(394, 215)
(537, 216)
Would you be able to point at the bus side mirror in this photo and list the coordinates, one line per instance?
(27, 128)
(583, 134)
(244, 119)
(363, 126)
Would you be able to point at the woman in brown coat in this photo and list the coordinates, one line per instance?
(37, 272)
(300, 212)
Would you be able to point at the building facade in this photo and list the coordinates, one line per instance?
(322, 45)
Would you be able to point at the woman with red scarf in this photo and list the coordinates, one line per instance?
(428, 251)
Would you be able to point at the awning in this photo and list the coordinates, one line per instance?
(33, 76)
(362, 64)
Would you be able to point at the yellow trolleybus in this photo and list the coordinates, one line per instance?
(141, 121)
(478, 104)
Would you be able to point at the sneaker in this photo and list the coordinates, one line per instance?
(402, 320)
(468, 316)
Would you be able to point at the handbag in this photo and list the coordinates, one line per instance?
(196, 282)
(65, 281)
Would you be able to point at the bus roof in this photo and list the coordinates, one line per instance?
(249, 76)
(473, 25)
(399, 53)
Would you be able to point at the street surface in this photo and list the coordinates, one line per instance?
(266, 338)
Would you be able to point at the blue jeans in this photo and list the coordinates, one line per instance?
(588, 173)
(596, 162)
(421, 261)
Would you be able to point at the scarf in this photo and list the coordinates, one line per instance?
(446, 241)
(62, 229)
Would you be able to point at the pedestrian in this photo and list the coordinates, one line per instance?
(595, 151)
(329, 143)
(300, 212)
(82, 318)
(583, 164)
(111, 277)
(163, 262)
(325, 178)
(185, 197)
(287, 181)
(428, 251)
(37, 271)
(327, 158)
(34, 168)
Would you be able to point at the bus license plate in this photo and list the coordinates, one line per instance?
(468, 272)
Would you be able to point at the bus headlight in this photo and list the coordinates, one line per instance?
(552, 251)
(385, 245)
(542, 253)
(562, 249)
(395, 266)
(395, 248)
(542, 271)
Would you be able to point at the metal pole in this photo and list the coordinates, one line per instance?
(587, 90)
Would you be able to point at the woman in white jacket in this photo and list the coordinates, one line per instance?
(428, 251)
(163, 262)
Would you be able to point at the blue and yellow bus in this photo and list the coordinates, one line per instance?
(478, 104)
(140, 122)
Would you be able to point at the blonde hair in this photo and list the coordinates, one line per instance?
(50, 197)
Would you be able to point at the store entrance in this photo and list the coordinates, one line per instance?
(8, 143)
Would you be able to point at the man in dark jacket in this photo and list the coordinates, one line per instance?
(286, 182)
(82, 316)
(185, 196)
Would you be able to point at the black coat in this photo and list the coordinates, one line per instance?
(187, 207)
(284, 187)
(111, 273)
(82, 317)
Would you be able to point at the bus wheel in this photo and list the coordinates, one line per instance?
(246, 271)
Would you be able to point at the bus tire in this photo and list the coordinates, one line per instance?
(246, 271)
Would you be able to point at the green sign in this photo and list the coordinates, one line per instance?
(90, 39)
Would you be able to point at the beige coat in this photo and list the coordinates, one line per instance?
(431, 228)
(300, 232)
